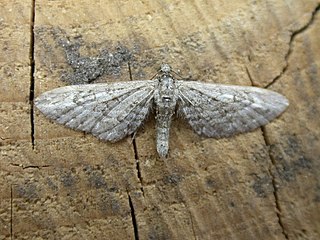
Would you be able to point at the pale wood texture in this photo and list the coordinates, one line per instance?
(260, 185)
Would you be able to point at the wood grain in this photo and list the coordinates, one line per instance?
(259, 185)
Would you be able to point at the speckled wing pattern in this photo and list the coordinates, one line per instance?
(217, 111)
(108, 111)
(114, 111)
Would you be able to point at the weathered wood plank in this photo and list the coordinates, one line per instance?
(260, 185)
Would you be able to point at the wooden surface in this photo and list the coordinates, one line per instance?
(68, 185)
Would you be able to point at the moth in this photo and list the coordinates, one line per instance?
(112, 111)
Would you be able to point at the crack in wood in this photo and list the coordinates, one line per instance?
(264, 131)
(274, 184)
(249, 76)
(136, 156)
(133, 217)
(32, 71)
(135, 148)
(292, 38)
(265, 136)
(29, 166)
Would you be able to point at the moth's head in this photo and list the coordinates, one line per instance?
(165, 68)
